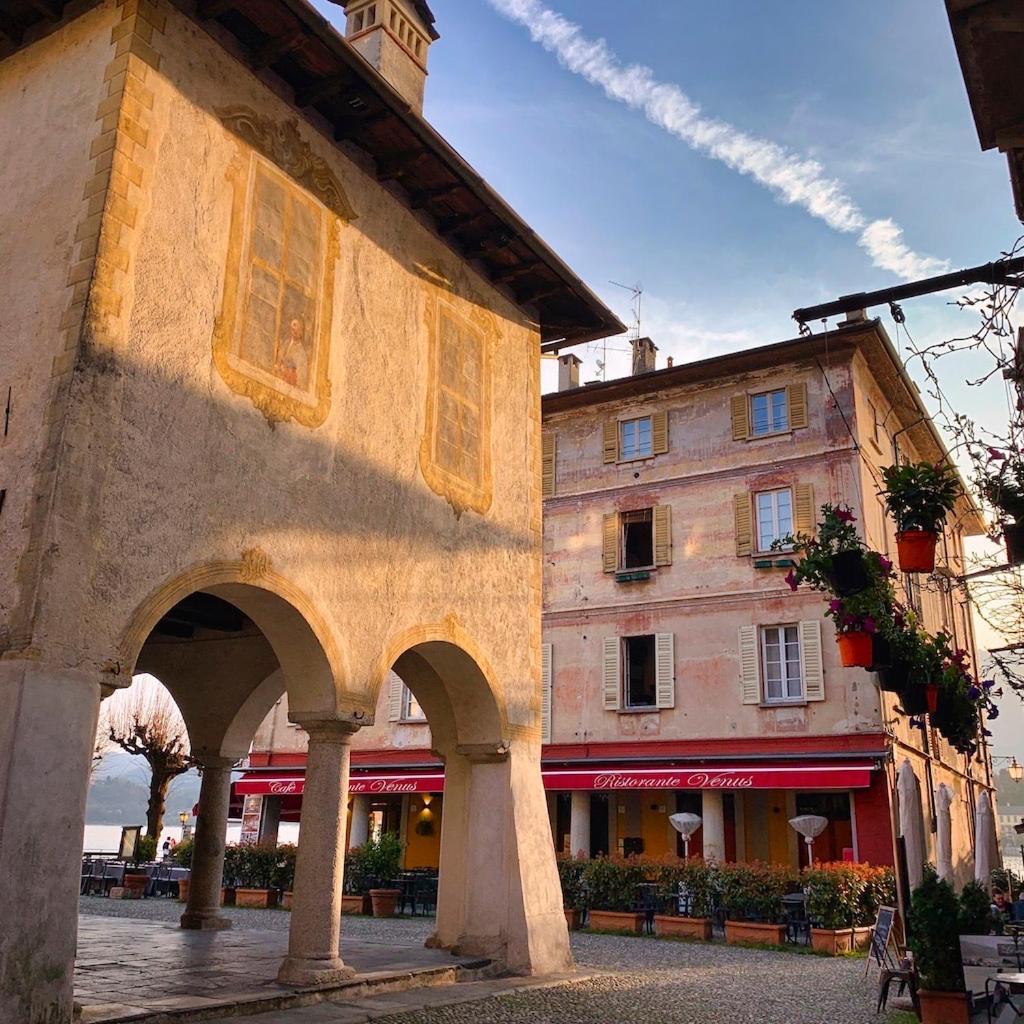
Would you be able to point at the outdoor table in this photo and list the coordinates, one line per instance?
(1007, 982)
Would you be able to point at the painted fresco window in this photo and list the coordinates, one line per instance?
(769, 412)
(774, 516)
(640, 671)
(456, 453)
(783, 668)
(635, 438)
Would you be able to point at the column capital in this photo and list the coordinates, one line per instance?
(326, 730)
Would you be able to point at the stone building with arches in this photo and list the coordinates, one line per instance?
(272, 427)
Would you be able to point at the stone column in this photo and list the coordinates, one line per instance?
(313, 941)
(270, 821)
(47, 731)
(714, 825)
(202, 911)
(579, 823)
(359, 830)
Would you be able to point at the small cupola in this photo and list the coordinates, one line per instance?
(394, 36)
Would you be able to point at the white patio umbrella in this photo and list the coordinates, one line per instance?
(810, 826)
(911, 822)
(685, 824)
(984, 833)
(944, 835)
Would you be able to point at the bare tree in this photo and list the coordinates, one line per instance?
(101, 745)
(146, 722)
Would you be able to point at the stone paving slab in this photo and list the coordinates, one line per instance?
(142, 971)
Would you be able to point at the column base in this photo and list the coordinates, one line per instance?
(201, 921)
(302, 971)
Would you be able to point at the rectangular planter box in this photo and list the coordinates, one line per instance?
(685, 927)
(572, 919)
(755, 931)
(353, 904)
(260, 899)
(862, 939)
(286, 900)
(833, 941)
(183, 886)
(616, 921)
(943, 1007)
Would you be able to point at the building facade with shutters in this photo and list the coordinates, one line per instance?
(680, 673)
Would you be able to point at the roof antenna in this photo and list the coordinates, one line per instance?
(637, 291)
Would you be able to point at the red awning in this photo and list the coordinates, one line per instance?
(855, 775)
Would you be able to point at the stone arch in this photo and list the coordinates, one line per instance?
(255, 708)
(312, 660)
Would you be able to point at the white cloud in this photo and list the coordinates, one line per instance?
(793, 179)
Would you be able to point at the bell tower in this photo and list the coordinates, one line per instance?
(394, 36)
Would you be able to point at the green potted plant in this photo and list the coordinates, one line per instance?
(611, 886)
(570, 876)
(919, 496)
(834, 893)
(355, 897)
(835, 559)
(752, 896)
(135, 882)
(384, 856)
(284, 875)
(935, 943)
(1001, 483)
(256, 868)
(974, 914)
(878, 890)
(685, 891)
(182, 856)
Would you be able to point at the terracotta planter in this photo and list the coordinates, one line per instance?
(258, 899)
(931, 696)
(862, 939)
(572, 919)
(943, 1007)
(684, 927)
(1013, 535)
(286, 900)
(916, 550)
(849, 574)
(183, 887)
(755, 931)
(352, 905)
(616, 921)
(135, 884)
(914, 700)
(855, 649)
(384, 901)
(833, 941)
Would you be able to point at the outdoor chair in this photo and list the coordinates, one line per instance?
(646, 903)
(798, 927)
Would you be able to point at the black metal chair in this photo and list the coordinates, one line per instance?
(646, 902)
(798, 927)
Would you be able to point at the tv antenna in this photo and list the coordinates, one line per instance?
(637, 291)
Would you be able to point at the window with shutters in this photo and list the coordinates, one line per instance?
(636, 439)
(774, 516)
(782, 663)
(640, 672)
(637, 541)
(411, 710)
(769, 412)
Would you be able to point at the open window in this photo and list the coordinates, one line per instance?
(637, 542)
(640, 687)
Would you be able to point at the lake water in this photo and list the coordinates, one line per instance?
(105, 838)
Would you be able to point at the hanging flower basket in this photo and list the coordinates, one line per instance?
(916, 550)
(881, 653)
(849, 573)
(913, 699)
(1013, 535)
(854, 649)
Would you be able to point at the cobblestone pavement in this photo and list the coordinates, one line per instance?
(645, 980)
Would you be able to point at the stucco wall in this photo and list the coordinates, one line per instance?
(174, 469)
(48, 98)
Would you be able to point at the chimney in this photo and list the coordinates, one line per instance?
(568, 372)
(855, 316)
(644, 353)
(394, 36)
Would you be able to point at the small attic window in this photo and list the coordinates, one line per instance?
(371, 15)
(419, 47)
(357, 22)
(392, 20)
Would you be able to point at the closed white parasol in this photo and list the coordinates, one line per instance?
(911, 823)
(685, 824)
(810, 826)
(944, 834)
(984, 839)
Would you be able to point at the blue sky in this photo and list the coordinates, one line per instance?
(871, 91)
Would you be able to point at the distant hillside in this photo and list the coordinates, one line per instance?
(121, 798)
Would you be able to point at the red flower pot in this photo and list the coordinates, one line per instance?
(931, 694)
(916, 550)
(855, 649)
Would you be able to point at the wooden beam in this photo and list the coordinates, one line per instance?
(207, 9)
(351, 127)
(493, 243)
(11, 30)
(391, 167)
(276, 47)
(424, 197)
(52, 9)
(536, 294)
(449, 225)
(511, 273)
(320, 91)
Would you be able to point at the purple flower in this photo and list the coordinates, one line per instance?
(844, 515)
(992, 712)
(885, 563)
(870, 626)
(988, 683)
(973, 693)
(835, 606)
(791, 580)
(995, 455)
